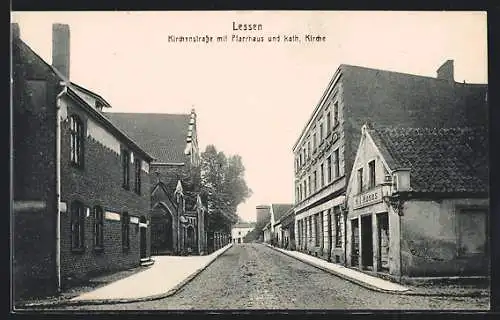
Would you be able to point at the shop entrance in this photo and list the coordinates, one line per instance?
(366, 242)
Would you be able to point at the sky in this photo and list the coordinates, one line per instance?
(251, 99)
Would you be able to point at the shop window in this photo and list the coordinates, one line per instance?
(472, 232)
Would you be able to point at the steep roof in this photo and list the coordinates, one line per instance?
(280, 209)
(439, 159)
(162, 135)
(244, 225)
(383, 97)
(34, 65)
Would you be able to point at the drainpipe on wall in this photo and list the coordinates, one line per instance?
(58, 186)
(400, 250)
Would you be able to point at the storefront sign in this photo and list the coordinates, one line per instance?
(112, 216)
(368, 198)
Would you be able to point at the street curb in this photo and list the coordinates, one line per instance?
(169, 293)
(375, 288)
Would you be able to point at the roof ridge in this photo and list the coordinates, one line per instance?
(344, 65)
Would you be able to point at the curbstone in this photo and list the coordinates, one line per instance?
(409, 292)
(169, 293)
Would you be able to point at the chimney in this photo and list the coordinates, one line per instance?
(445, 71)
(60, 48)
(14, 30)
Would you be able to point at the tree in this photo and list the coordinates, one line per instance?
(223, 185)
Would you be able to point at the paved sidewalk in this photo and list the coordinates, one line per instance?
(164, 278)
(167, 274)
(360, 278)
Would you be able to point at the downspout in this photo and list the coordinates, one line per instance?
(400, 247)
(58, 186)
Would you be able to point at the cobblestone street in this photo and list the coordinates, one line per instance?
(253, 276)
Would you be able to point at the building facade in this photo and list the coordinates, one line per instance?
(240, 230)
(418, 202)
(284, 228)
(81, 186)
(325, 151)
(178, 214)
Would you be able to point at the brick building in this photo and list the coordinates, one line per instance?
(418, 202)
(81, 185)
(178, 212)
(325, 151)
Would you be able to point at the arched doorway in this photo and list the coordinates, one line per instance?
(161, 232)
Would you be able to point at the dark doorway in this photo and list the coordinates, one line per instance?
(330, 240)
(190, 238)
(355, 243)
(383, 241)
(367, 242)
(162, 234)
(143, 238)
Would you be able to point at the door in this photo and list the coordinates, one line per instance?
(355, 243)
(383, 238)
(143, 242)
(330, 234)
(366, 242)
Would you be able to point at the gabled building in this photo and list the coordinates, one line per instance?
(178, 214)
(240, 230)
(278, 211)
(325, 151)
(81, 202)
(418, 202)
(284, 229)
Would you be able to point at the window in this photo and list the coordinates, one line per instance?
(360, 180)
(126, 168)
(338, 226)
(472, 232)
(329, 164)
(308, 149)
(315, 181)
(300, 159)
(328, 123)
(335, 113)
(309, 184)
(316, 229)
(137, 185)
(239, 233)
(310, 226)
(322, 175)
(125, 231)
(98, 228)
(76, 142)
(371, 171)
(320, 133)
(77, 226)
(314, 141)
(336, 166)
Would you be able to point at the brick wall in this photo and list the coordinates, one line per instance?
(99, 182)
(34, 91)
